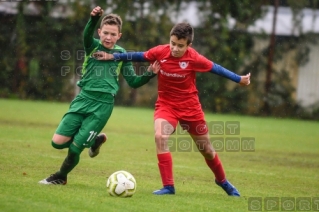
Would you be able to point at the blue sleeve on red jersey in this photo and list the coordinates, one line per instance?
(130, 56)
(221, 71)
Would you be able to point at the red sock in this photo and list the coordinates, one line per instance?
(165, 165)
(216, 166)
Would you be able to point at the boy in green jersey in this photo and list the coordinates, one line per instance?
(92, 107)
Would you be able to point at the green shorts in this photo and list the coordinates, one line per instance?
(86, 117)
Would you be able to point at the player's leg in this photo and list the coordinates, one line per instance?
(61, 141)
(82, 129)
(84, 138)
(63, 138)
(163, 130)
(71, 160)
(199, 133)
(206, 149)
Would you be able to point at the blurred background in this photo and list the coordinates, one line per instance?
(276, 41)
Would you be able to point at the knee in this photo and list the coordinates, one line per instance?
(161, 142)
(160, 137)
(60, 139)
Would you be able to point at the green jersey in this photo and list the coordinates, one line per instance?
(102, 76)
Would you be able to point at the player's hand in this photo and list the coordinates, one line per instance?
(155, 67)
(245, 80)
(97, 11)
(100, 55)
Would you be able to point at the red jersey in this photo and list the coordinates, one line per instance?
(177, 77)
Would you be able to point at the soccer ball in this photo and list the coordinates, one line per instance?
(121, 184)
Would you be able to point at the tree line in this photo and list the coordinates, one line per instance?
(42, 53)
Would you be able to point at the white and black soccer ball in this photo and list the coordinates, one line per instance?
(121, 184)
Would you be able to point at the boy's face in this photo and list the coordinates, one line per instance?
(109, 35)
(178, 47)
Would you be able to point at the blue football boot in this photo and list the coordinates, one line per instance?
(165, 190)
(228, 188)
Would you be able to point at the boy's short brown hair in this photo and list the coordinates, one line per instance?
(183, 31)
(112, 19)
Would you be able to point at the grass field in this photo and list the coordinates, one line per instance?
(284, 164)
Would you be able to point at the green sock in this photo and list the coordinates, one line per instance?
(62, 146)
(71, 160)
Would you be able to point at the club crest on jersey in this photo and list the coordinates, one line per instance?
(183, 65)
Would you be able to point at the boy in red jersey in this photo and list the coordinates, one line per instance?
(176, 65)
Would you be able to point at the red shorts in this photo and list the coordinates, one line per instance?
(190, 119)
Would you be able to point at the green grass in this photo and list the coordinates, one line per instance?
(285, 163)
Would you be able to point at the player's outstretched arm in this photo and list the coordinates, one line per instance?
(221, 71)
(133, 80)
(128, 56)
